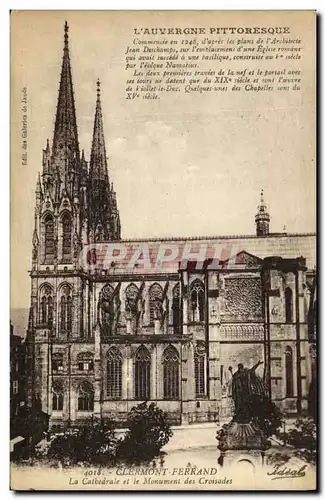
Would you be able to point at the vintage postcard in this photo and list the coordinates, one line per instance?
(163, 250)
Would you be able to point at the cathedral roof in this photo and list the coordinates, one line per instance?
(242, 248)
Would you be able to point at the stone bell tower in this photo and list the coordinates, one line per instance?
(262, 217)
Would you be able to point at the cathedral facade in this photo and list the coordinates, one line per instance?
(103, 337)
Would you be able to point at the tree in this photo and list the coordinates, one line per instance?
(148, 431)
(303, 439)
(94, 444)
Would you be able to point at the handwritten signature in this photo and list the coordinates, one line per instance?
(283, 472)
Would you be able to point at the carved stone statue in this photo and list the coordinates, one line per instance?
(245, 386)
(158, 309)
(76, 245)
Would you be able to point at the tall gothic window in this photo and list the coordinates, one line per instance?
(46, 306)
(288, 305)
(200, 369)
(197, 298)
(66, 309)
(171, 373)
(155, 302)
(142, 374)
(57, 396)
(49, 239)
(85, 397)
(288, 372)
(114, 373)
(176, 310)
(66, 237)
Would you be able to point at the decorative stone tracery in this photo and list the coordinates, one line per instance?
(243, 297)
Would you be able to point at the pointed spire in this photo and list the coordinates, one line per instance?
(35, 239)
(46, 159)
(38, 191)
(262, 217)
(38, 185)
(101, 203)
(65, 148)
(98, 162)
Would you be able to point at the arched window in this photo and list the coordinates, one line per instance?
(288, 305)
(66, 309)
(155, 302)
(46, 306)
(142, 374)
(176, 310)
(171, 373)
(288, 372)
(114, 373)
(106, 304)
(197, 297)
(200, 369)
(85, 361)
(57, 362)
(66, 237)
(57, 396)
(85, 397)
(44, 309)
(49, 239)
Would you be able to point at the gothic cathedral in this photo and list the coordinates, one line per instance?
(100, 341)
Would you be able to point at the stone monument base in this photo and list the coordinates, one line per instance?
(242, 443)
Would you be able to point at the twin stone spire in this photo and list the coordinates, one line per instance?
(66, 173)
(67, 180)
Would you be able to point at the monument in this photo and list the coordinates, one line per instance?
(244, 439)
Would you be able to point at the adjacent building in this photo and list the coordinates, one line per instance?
(17, 381)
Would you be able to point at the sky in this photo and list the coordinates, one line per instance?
(184, 165)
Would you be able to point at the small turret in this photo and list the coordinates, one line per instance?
(38, 191)
(262, 217)
(46, 159)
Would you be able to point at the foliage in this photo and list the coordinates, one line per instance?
(303, 438)
(148, 431)
(278, 458)
(94, 443)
